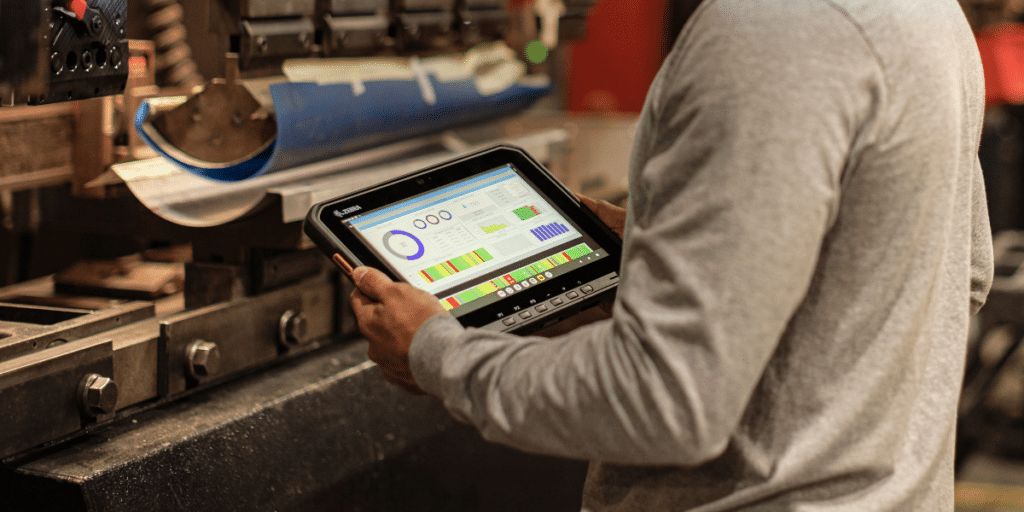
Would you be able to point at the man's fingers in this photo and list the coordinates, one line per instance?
(361, 304)
(601, 207)
(371, 282)
(613, 216)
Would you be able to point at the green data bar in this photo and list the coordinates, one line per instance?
(578, 251)
(522, 274)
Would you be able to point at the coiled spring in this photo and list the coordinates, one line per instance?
(173, 54)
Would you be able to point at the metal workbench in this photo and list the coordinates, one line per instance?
(322, 432)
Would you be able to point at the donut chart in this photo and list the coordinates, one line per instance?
(403, 245)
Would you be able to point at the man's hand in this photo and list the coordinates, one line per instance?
(610, 214)
(389, 314)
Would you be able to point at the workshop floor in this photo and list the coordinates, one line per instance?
(990, 484)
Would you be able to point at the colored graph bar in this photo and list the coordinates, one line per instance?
(526, 212)
(536, 268)
(492, 228)
(549, 231)
(455, 265)
(578, 251)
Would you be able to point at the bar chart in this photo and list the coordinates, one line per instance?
(535, 270)
(549, 231)
(493, 228)
(526, 212)
(455, 265)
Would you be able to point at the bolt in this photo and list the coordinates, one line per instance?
(217, 139)
(262, 44)
(203, 358)
(293, 328)
(98, 395)
(96, 24)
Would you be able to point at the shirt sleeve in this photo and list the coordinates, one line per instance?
(982, 265)
(751, 125)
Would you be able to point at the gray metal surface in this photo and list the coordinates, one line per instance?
(354, 35)
(323, 432)
(275, 39)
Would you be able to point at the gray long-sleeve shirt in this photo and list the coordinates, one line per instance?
(806, 239)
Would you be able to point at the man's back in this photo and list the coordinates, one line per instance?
(845, 134)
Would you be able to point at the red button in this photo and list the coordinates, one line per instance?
(342, 264)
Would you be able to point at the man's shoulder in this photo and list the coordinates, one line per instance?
(873, 18)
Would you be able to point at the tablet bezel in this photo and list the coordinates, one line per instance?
(327, 229)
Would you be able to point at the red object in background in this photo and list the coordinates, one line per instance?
(612, 69)
(1002, 55)
(78, 7)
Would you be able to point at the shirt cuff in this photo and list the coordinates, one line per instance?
(427, 352)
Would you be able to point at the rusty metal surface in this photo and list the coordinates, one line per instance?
(127, 278)
(36, 328)
(245, 332)
(221, 124)
(36, 145)
(147, 357)
(40, 392)
(135, 361)
(323, 432)
(275, 8)
(358, 6)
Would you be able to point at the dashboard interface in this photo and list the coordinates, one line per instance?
(476, 241)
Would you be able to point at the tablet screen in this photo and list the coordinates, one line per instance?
(478, 240)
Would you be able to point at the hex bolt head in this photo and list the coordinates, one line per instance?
(262, 44)
(203, 358)
(98, 394)
(293, 328)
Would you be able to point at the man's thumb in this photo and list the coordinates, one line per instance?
(370, 281)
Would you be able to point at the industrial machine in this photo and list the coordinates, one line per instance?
(215, 364)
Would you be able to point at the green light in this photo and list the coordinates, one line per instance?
(536, 52)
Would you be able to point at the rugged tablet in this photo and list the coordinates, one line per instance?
(501, 243)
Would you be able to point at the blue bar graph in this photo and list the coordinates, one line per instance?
(549, 231)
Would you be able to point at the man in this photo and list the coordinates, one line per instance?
(805, 241)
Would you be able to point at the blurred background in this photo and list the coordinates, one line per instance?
(169, 341)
